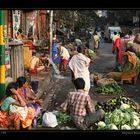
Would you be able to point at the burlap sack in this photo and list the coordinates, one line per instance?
(137, 39)
(105, 81)
(114, 75)
(97, 76)
(136, 48)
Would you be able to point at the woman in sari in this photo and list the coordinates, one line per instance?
(18, 118)
(31, 99)
(131, 67)
(117, 49)
(7, 119)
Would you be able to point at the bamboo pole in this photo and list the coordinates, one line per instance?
(51, 32)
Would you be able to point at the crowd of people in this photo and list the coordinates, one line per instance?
(126, 48)
(21, 107)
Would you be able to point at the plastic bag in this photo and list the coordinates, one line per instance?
(49, 120)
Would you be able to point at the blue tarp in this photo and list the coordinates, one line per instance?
(55, 54)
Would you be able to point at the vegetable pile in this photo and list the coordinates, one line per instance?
(116, 103)
(122, 115)
(120, 119)
(62, 118)
(110, 89)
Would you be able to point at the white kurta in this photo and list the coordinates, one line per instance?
(64, 53)
(79, 64)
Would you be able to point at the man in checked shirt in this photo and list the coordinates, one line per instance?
(79, 106)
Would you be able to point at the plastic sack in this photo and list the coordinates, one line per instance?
(49, 120)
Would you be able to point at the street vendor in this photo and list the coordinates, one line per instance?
(35, 65)
(80, 107)
(89, 53)
(131, 67)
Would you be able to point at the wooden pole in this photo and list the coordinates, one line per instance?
(51, 32)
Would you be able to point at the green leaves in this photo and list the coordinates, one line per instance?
(109, 89)
(63, 118)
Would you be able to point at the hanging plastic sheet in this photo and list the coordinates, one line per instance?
(55, 54)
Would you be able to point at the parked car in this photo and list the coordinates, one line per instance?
(136, 31)
(110, 32)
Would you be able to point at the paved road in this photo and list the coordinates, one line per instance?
(103, 64)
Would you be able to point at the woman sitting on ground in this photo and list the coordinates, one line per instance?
(18, 118)
(31, 99)
(131, 67)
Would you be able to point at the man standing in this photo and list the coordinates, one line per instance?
(117, 49)
(79, 65)
(96, 41)
(64, 54)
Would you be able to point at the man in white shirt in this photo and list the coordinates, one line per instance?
(79, 65)
(64, 58)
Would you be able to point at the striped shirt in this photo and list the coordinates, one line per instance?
(78, 104)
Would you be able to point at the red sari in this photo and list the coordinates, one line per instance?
(118, 47)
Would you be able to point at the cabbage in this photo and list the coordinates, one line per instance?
(125, 127)
(111, 127)
(135, 123)
(124, 106)
(138, 127)
(116, 117)
(135, 120)
(126, 118)
(101, 124)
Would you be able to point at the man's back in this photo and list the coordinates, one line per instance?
(34, 62)
(78, 104)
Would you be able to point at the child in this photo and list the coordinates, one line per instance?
(80, 107)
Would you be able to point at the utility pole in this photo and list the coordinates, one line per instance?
(51, 32)
(2, 56)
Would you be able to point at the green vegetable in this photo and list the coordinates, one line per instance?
(125, 127)
(124, 106)
(111, 127)
(101, 125)
(63, 118)
(110, 89)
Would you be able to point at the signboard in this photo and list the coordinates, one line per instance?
(16, 22)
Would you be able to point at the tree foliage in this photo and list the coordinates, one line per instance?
(76, 18)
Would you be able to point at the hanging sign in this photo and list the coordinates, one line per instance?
(16, 22)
